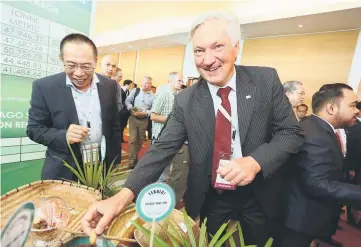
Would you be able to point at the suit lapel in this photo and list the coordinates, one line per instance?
(205, 112)
(329, 130)
(245, 101)
(69, 105)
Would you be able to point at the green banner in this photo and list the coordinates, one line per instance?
(31, 32)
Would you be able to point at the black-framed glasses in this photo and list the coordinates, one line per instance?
(83, 67)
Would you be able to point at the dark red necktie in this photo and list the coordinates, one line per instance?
(222, 133)
(339, 141)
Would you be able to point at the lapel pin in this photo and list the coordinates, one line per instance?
(248, 96)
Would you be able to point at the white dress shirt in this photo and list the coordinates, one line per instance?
(217, 101)
(87, 105)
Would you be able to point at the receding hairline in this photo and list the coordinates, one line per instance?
(108, 57)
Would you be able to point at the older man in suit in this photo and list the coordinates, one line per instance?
(76, 107)
(238, 114)
(316, 188)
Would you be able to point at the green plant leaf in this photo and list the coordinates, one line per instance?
(178, 236)
(218, 234)
(158, 242)
(240, 234)
(75, 160)
(269, 242)
(172, 239)
(89, 174)
(232, 243)
(224, 238)
(76, 173)
(202, 234)
(98, 175)
(96, 179)
(189, 229)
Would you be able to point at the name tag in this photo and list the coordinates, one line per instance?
(221, 183)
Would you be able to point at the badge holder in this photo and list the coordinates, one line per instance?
(222, 183)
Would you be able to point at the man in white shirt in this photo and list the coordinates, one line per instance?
(176, 173)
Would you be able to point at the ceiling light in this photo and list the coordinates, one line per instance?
(300, 25)
(149, 43)
(129, 46)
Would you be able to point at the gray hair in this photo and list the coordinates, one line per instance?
(148, 78)
(233, 27)
(291, 86)
(172, 75)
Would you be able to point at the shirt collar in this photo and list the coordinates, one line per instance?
(325, 121)
(231, 83)
(95, 80)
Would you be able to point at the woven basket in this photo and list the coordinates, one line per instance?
(176, 218)
(122, 227)
(78, 197)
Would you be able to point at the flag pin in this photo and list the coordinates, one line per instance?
(248, 96)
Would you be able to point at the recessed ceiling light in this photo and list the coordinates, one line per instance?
(129, 46)
(300, 25)
(149, 43)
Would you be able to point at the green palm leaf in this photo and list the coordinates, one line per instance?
(269, 242)
(224, 238)
(178, 236)
(75, 160)
(218, 234)
(80, 176)
(232, 243)
(202, 234)
(189, 229)
(240, 234)
(158, 242)
(172, 239)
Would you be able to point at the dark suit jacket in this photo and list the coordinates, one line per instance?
(353, 156)
(269, 132)
(316, 185)
(52, 110)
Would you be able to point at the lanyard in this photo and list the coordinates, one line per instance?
(86, 114)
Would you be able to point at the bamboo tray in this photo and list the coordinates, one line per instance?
(78, 197)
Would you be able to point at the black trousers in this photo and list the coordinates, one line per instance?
(238, 205)
(124, 116)
(149, 129)
(294, 239)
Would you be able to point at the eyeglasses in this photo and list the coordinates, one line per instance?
(83, 67)
(300, 93)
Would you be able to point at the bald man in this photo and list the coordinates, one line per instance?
(108, 66)
(108, 69)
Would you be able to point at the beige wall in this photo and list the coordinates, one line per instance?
(158, 63)
(313, 59)
(115, 15)
(127, 62)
